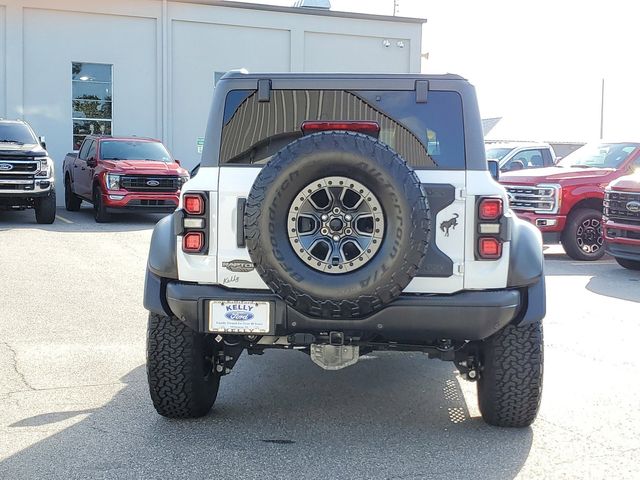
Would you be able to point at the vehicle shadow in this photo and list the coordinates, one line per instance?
(607, 277)
(390, 416)
(81, 221)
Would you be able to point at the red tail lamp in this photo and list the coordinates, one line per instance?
(489, 247)
(193, 204)
(367, 128)
(193, 242)
(490, 208)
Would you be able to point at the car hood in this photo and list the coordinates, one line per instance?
(553, 174)
(145, 167)
(630, 183)
(17, 150)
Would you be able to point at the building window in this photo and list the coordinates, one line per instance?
(92, 100)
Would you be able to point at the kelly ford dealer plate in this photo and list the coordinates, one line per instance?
(239, 317)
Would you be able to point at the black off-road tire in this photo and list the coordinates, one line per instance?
(510, 383)
(361, 158)
(46, 209)
(71, 201)
(181, 380)
(630, 264)
(569, 234)
(100, 214)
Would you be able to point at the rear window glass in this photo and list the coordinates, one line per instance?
(427, 135)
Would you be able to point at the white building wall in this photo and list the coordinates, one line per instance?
(3, 78)
(165, 55)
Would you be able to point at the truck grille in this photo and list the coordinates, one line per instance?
(18, 166)
(17, 174)
(616, 207)
(140, 183)
(540, 198)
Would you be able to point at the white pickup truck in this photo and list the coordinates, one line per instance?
(520, 155)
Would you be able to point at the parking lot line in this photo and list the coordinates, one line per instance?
(63, 219)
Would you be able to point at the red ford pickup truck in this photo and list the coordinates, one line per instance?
(565, 201)
(122, 173)
(622, 220)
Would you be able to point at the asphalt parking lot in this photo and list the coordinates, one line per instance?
(74, 402)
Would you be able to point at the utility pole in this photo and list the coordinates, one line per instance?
(396, 7)
(602, 110)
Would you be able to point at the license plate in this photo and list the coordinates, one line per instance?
(239, 317)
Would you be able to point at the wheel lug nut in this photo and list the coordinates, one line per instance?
(336, 238)
(347, 218)
(324, 217)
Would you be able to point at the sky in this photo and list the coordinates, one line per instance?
(538, 65)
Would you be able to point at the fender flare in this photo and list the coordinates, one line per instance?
(162, 249)
(526, 270)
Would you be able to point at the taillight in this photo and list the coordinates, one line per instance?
(490, 224)
(193, 242)
(368, 128)
(490, 208)
(193, 204)
(194, 232)
(489, 248)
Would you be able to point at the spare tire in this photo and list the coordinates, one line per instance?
(337, 224)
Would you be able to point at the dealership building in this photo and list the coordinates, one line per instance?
(149, 67)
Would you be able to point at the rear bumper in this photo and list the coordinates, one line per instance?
(141, 202)
(468, 315)
(551, 226)
(622, 240)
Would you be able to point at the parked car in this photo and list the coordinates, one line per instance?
(565, 201)
(520, 155)
(365, 219)
(622, 220)
(27, 177)
(122, 174)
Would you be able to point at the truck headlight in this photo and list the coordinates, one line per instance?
(113, 181)
(46, 167)
(183, 179)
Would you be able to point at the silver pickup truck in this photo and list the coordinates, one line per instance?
(26, 171)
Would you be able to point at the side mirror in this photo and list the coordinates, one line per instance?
(42, 142)
(92, 162)
(494, 169)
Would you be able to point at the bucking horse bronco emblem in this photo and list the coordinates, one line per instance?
(449, 224)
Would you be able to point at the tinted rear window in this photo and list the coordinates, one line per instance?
(427, 135)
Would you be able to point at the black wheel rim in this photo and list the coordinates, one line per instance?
(336, 225)
(589, 236)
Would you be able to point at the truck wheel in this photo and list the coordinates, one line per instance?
(337, 224)
(181, 379)
(630, 264)
(510, 383)
(71, 201)
(582, 236)
(99, 210)
(46, 209)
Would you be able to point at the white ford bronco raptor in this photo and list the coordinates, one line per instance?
(340, 214)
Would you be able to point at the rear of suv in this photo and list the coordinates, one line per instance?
(26, 172)
(339, 215)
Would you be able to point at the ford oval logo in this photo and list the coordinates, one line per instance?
(633, 206)
(6, 166)
(153, 183)
(241, 316)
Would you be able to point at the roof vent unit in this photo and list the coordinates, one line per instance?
(319, 4)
